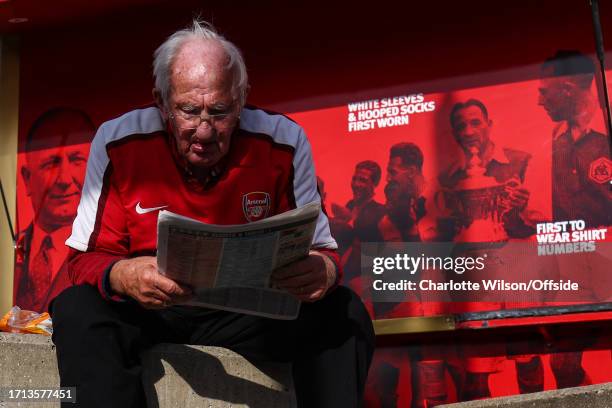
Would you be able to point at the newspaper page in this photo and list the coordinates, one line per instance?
(229, 266)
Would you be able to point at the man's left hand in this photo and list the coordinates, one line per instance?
(518, 196)
(307, 279)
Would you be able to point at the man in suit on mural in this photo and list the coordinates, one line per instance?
(56, 153)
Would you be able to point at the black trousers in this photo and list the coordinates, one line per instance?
(98, 344)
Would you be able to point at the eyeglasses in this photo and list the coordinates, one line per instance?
(192, 119)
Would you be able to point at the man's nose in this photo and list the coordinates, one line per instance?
(468, 131)
(205, 131)
(64, 175)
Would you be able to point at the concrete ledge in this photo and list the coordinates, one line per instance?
(591, 396)
(174, 375)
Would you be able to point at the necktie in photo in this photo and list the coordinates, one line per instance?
(40, 271)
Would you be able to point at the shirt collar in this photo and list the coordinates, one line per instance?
(576, 134)
(499, 155)
(38, 235)
(493, 152)
(57, 237)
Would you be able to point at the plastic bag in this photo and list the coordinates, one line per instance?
(26, 321)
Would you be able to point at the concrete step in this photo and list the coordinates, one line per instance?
(174, 375)
(591, 396)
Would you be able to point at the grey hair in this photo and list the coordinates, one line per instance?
(164, 55)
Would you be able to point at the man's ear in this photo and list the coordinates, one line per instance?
(159, 101)
(25, 174)
(248, 91)
(246, 95)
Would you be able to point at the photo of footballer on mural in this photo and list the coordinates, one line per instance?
(494, 166)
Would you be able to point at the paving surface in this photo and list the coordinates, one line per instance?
(174, 375)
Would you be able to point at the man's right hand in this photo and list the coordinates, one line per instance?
(140, 279)
(341, 213)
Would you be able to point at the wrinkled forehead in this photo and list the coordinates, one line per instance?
(201, 65)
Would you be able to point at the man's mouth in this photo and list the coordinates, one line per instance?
(64, 196)
(471, 142)
(202, 147)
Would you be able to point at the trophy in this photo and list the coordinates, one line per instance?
(480, 201)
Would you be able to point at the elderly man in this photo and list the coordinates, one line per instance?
(198, 153)
(53, 173)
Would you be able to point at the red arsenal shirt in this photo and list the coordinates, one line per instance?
(132, 174)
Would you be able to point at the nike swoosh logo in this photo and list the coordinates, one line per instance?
(141, 210)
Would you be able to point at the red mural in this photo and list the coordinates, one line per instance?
(522, 162)
(517, 162)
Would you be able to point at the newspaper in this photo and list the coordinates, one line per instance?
(229, 266)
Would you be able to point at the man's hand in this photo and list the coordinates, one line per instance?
(307, 279)
(140, 279)
(341, 213)
(518, 196)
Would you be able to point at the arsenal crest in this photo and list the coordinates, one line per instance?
(600, 170)
(256, 205)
